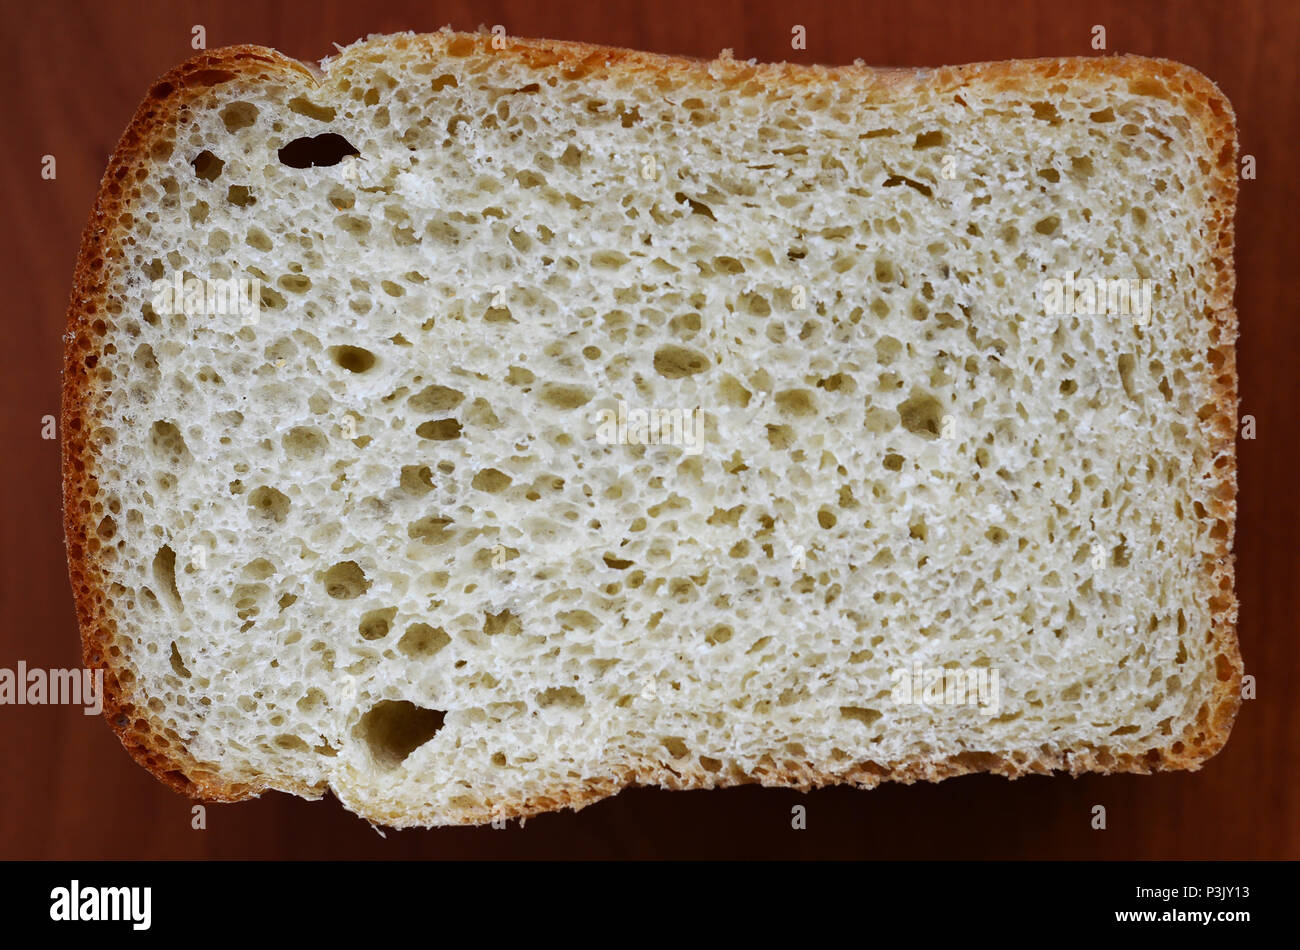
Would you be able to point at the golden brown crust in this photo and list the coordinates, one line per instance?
(146, 739)
(150, 128)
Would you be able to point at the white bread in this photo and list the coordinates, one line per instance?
(375, 544)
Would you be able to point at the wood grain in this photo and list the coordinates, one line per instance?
(77, 71)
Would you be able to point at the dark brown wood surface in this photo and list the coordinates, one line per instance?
(76, 71)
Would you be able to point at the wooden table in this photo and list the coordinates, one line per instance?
(76, 73)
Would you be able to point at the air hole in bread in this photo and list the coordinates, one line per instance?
(422, 641)
(375, 624)
(354, 225)
(684, 326)
(393, 729)
(416, 479)
(238, 115)
(733, 393)
(323, 150)
(922, 414)
(491, 480)
(178, 662)
(796, 402)
(207, 166)
(780, 436)
(298, 284)
(270, 299)
(208, 77)
(1048, 225)
(562, 697)
(439, 430)
(1120, 555)
(304, 442)
(527, 178)
(436, 399)
(164, 573)
(346, 581)
(258, 239)
(697, 207)
(893, 181)
(860, 713)
(564, 396)
(677, 362)
(168, 444)
(754, 304)
(504, 621)
(304, 106)
(270, 503)
(1126, 365)
(432, 530)
(719, 634)
(1046, 112)
(354, 359)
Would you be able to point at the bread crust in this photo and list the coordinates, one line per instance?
(146, 737)
(142, 735)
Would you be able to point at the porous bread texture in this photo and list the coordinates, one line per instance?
(373, 544)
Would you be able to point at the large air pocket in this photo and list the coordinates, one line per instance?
(393, 729)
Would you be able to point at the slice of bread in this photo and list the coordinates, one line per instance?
(602, 418)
